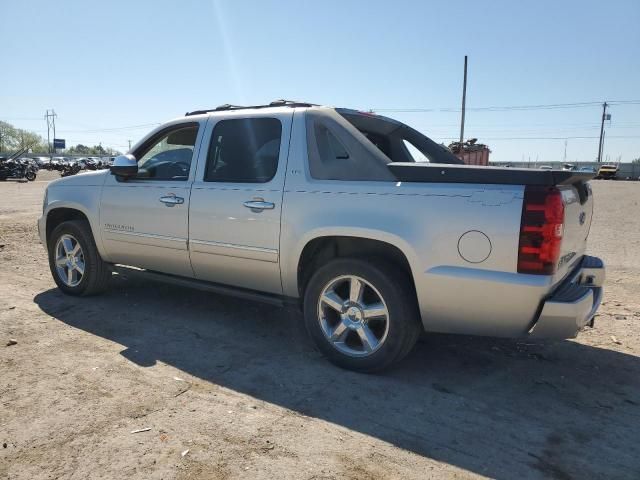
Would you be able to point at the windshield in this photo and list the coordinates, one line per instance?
(399, 142)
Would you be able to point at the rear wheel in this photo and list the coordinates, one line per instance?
(362, 316)
(75, 263)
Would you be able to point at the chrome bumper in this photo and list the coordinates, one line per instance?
(573, 304)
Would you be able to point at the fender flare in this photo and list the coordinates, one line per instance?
(90, 216)
(290, 271)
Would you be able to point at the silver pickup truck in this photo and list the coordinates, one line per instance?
(375, 231)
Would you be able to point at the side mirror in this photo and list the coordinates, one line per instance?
(124, 166)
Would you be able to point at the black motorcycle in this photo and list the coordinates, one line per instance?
(13, 168)
(31, 171)
(69, 169)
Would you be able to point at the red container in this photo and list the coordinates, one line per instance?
(475, 157)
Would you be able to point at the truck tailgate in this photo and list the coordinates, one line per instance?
(578, 211)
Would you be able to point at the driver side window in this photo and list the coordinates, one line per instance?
(169, 156)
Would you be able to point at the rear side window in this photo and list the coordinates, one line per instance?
(338, 151)
(244, 150)
(329, 146)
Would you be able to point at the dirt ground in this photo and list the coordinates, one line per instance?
(231, 389)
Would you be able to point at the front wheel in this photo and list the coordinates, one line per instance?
(362, 315)
(75, 263)
(31, 176)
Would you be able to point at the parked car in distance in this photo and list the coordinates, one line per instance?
(607, 172)
(96, 162)
(291, 203)
(545, 167)
(41, 161)
(81, 162)
(587, 169)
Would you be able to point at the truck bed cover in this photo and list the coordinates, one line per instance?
(448, 173)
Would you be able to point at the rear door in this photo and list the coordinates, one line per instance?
(236, 201)
(144, 220)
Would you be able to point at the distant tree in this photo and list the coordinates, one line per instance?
(97, 150)
(80, 150)
(636, 160)
(13, 139)
(32, 141)
(7, 137)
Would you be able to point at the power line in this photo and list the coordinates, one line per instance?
(113, 129)
(551, 106)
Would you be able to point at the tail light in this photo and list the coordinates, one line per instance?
(541, 230)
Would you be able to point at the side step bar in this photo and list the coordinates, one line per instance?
(246, 294)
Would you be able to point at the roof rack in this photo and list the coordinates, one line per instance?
(275, 103)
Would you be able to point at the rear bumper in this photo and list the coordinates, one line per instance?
(573, 304)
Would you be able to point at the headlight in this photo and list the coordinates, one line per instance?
(46, 200)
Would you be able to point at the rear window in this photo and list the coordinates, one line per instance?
(399, 142)
(244, 150)
(414, 152)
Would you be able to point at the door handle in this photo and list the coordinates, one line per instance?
(258, 205)
(171, 200)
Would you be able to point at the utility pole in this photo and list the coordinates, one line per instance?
(464, 101)
(564, 159)
(129, 144)
(46, 116)
(600, 147)
(51, 123)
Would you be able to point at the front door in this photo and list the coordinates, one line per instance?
(234, 228)
(144, 220)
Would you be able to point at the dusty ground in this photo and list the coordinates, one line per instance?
(233, 383)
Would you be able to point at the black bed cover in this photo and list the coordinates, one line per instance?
(449, 173)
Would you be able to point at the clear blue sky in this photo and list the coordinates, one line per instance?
(120, 63)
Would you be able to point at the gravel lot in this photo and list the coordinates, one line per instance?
(237, 387)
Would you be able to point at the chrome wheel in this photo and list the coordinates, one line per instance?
(69, 260)
(353, 316)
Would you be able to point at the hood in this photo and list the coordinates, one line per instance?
(85, 179)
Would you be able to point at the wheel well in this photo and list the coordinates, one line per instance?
(58, 215)
(323, 249)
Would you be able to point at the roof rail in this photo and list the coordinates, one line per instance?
(275, 103)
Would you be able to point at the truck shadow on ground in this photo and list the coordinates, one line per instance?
(499, 408)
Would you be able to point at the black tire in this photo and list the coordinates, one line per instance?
(31, 176)
(97, 273)
(396, 290)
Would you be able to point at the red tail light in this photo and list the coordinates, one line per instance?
(541, 230)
